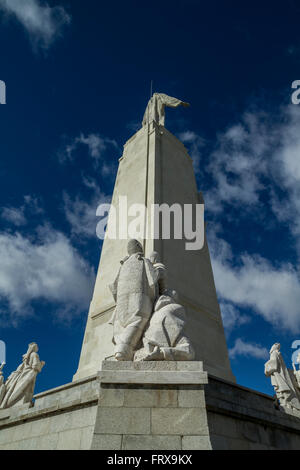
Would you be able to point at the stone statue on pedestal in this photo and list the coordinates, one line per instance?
(19, 387)
(155, 110)
(148, 322)
(165, 339)
(134, 291)
(281, 380)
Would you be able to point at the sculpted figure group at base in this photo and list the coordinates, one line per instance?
(283, 380)
(19, 387)
(148, 323)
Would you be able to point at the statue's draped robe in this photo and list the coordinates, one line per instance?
(166, 330)
(2, 389)
(155, 110)
(134, 291)
(281, 379)
(20, 384)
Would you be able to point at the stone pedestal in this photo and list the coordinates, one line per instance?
(151, 406)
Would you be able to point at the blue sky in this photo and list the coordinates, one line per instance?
(78, 78)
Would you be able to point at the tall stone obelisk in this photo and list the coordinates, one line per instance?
(155, 168)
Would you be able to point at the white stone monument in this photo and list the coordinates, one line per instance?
(154, 372)
(155, 168)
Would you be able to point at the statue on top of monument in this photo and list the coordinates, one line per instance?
(155, 110)
(148, 322)
(281, 379)
(19, 387)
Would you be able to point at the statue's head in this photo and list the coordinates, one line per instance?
(154, 257)
(169, 296)
(134, 246)
(32, 347)
(275, 347)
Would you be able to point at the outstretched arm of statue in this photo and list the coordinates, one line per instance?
(172, 102)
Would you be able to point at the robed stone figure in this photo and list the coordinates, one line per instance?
(281, 379)
(155, 110)
(19, 387)
(134, 291)
(165, 338)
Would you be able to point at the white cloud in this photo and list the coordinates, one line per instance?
(255, 160)
(47, 269)
(43, 23)
(241, 348)
(271, 291)
(81, 214)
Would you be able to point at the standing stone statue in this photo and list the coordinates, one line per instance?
(281, 380)
(155, 110)
(19, 387)
(134, 291)
(165, 338)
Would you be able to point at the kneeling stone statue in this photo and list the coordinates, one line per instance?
(165, 339)
(148, 323)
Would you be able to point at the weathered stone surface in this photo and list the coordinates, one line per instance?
(111, 395)
(123, 421)
(4, 414)
(151, 442)
(153, 377)
(106, 442)
(196, 443)
(147, 396)
(86, 437)
(190, 396)
(69, 440)
(182, 421)
(47, 442)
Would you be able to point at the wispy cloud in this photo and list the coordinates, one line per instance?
(196, 144)
(232, 317)
(18, 215)
(241, 348)
(81, 212)
(43, 23)
(96, 146)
